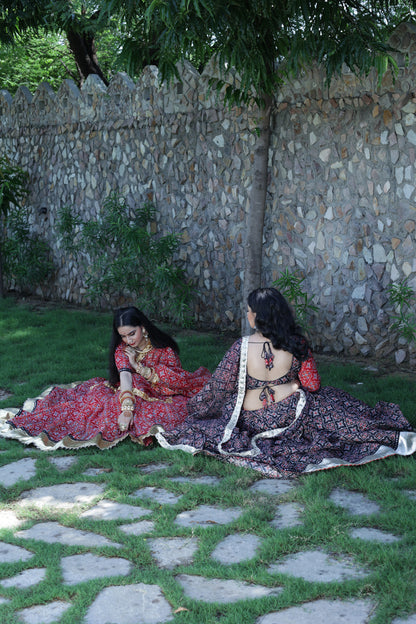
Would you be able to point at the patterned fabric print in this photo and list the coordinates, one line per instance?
(333, 424)
(253, 383)
(88, 412)
(308, 374)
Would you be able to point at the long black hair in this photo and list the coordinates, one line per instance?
(276, 321)
(133, 317)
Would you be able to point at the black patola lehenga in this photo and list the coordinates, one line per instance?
(313, 429)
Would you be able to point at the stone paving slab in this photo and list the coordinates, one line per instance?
(203, 480)
(64, 496)
(130, 604)
(317, 566)
(322, 611)
(170, 552)
(274, 487)
(410, 620)
(207, 515)
(287, 516)
(236, 548)
(63, 463)
(21, 470)
(137, 528)
(80, 568)
(44, 614)
(110, 510)
(95, 472)
(9, 553)
(223, 590)
(155, 467)
(158, 495)
(53, 532)
(374, 535)
(9, 520)
(25, 579)
(355, 503)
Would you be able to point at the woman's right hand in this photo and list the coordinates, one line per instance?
(131, 353)
(124, 420)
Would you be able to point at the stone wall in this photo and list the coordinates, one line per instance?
(341, 201)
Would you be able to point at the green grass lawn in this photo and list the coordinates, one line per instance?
(42, 345)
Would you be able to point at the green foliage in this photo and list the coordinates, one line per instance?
(49, 40)
(26, 257)
(33, 59)
(402, 297)
(123, 258)
(290, 285)
(13, 185)
(13, 190)
(264, 43)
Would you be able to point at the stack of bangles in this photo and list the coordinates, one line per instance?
(147, 372)
(127, 404)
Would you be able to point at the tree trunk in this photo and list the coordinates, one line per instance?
(2, 289)
(83, 48)
(1, 277)
(253, 244)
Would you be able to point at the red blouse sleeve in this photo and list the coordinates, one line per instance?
(173, 379)
(121, 359)
(171, 375)
(308, 374)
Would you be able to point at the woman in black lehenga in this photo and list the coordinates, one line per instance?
(264, 406)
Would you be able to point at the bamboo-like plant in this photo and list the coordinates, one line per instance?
(13, 190)
(290, 285)
(122, 256)
(402, 297)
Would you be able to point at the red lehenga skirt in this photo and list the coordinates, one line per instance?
(86, 414)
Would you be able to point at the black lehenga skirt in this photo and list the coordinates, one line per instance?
(305, 432)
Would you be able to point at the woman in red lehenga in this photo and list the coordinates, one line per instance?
(147, 385)
(264, 407)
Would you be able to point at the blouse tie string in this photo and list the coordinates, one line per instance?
(267, 355)
(267, 395)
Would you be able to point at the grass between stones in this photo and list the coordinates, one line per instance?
(40, 346)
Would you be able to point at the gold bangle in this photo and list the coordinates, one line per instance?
(127, 402)
(154, 377)
(128, 408)
(144, 371)
(126, 395)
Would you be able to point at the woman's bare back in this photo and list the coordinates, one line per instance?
(259, 351)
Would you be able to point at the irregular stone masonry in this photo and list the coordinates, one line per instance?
(341, 198)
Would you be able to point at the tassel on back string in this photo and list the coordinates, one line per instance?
(267, 355)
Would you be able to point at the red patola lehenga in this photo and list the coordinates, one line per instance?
(86, 414)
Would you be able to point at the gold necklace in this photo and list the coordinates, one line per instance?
(142, 352)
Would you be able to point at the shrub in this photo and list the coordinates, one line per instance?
(122, 258)
(403, 298)
(290, 285)
(27, 258)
